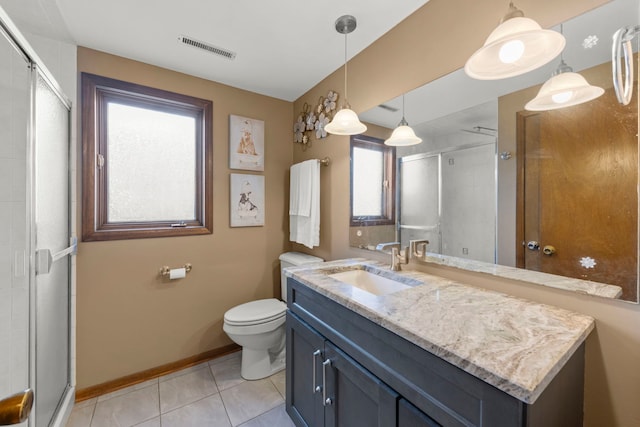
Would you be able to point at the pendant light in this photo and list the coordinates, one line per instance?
(564, 89)
(516, 46)
(346, 121)
(403, 135)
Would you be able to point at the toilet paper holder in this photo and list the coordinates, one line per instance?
(165, 270)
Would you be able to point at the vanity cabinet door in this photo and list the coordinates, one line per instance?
(354, 396)
(410, 416)
(304, 369)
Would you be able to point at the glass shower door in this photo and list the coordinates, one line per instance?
(14, 226)
(419, 201)
(53, 266)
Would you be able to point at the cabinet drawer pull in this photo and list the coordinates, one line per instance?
(326, 401)
(316, 388)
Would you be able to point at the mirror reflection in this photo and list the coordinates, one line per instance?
(549, 191)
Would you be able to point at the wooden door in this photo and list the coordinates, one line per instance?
(577, 192)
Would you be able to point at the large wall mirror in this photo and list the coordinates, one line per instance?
(546, 197)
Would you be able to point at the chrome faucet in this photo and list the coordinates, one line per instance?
(383, 247)
(418, 248)
(398, 255)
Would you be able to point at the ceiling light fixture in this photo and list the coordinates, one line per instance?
(346, 121)
(516, 46)
(564, 89)
(403, 135)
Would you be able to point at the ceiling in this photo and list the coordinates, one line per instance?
(283, 48)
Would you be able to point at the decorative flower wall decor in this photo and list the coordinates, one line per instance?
(314, 119)
(320, 106)
(299, 127)
(320, 124)
(311, 121)
(330, 102)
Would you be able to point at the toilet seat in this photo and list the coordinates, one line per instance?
(255, 312)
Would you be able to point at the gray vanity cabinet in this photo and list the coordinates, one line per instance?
(355, 397)
(326, 387)
(410, 416)
(304, 398)
(345, 371)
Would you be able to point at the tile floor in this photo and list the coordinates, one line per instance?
(212, 394)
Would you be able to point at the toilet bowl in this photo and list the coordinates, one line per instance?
(259, 326)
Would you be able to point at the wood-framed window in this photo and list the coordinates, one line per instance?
(372, 182)
(147, 159)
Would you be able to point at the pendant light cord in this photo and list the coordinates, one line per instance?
(562, 67)
(346, 102)
(562, 51)
(403, 122)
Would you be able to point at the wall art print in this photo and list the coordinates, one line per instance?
(246, 143)
(247, 200)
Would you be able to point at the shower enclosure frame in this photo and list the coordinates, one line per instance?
(38, 70)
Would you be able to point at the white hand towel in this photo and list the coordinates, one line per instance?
(294, 190)
(304, 218)
(300, 188)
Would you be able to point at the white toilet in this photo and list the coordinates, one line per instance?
(258, 326)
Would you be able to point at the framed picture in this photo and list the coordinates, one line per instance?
(247, 200)
(246, 143)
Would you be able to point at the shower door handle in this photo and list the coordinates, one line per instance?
(45, 260)
(16, 409)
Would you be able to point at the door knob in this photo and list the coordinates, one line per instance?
(15, 409)
(549, 250)
(533, 245)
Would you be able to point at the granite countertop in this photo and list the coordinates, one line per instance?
(513, 344)
(550, 280)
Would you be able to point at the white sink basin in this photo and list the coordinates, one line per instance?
(369, 282)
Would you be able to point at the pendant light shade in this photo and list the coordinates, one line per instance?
(564, 89)
(346, 121)
(403, 135)
(516, 46)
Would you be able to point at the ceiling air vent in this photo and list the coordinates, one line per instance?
(388, 108)
(206, 46)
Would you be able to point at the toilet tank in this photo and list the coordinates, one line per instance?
(293, 259)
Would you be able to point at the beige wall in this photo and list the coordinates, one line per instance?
(432, 42)
(129, 320)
